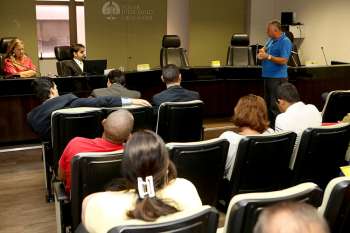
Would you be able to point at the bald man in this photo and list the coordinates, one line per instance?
(291, 218)
(117, 128)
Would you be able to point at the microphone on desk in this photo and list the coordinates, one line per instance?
(324, 55)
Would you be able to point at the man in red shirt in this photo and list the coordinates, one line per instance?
(117, 129)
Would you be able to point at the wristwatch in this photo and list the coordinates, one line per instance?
(269, 57)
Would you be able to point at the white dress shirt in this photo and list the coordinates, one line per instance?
(297, 118)
(79, 63)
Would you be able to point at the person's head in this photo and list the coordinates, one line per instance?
(274, 29)
(115, 76)
(171, 74)
(291, 218)
(44, 88)
(15, 49)
(251, 112)
(146, 155)
(78, 51)
(286, 94)
(118, 126)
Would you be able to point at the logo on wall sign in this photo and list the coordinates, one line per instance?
(111, 10)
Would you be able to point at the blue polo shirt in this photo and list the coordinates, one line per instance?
(282, 47)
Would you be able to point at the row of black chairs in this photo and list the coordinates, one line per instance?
(181, 122)
(262, 164)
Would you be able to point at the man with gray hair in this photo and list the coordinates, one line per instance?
(117, 129)
(291, 218)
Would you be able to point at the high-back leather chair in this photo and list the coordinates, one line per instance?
(294, 59)
(91, 172)
(336, 205)
(180, 121)
(172, 53)
(62, 53)
(143, 116)
(321, 152)
(239, 53)
(261, 164)
(202, 163)
(4, 43)
(337, 106)
(244, 209)
(201, 220)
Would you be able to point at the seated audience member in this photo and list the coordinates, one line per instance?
(75, 67)
(174, 93)
(147, 165)
(46, 90)
(251, 118)
(17, 62)
(117, 129)
(291, 218)
(296, 116)
(115, 86)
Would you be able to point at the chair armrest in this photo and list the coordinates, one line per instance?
(60, 192)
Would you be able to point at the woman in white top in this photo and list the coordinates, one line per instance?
(151, 192)
(251, 118)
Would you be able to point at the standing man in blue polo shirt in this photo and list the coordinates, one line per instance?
(274, 55)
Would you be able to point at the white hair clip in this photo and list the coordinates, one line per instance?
(146, 188)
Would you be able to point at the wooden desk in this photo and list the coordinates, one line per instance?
(220, 89)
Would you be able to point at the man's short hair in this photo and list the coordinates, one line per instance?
(118, 126)
(41, 87)
(170, 73)
(116, 76)
(291, 217)
(288, 92)
(75, 48)
(276, 23)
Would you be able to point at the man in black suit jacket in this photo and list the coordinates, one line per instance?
(46, 90)
(174, 93)
(75, 67)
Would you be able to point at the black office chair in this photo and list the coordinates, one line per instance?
(337, 106)
(202, 163)
(244, 209)
(294, 60)
(204, 220)
(255, 51)
(91, 172)
(239, 53)
(336, 205)
(180, 121)
(143, 116)
(62, 54)
(261, 164)
(172, 53)
(4, 43)
(65, 125)
(321, 152)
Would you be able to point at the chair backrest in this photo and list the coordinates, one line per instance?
(91, 172)
(239, 53)
(336, 205)
(143, 116)
(180, 121)
(73, 122)
(4, 43)
(62, 53)
(203, 221)
(321, 152)
(172, 53)
(294, 59)
(208, 158)
(262, 163)
(337, 106)
(244, 209)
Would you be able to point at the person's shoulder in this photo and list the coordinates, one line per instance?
(181, 183)
(229, 135)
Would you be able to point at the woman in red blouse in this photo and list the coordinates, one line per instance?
(16, 62)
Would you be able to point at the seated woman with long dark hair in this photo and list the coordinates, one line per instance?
(152, 190)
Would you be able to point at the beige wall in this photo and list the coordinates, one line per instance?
(212, 23)
(178, 13)
(125, 42)
(326, 24)
(17, 19)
